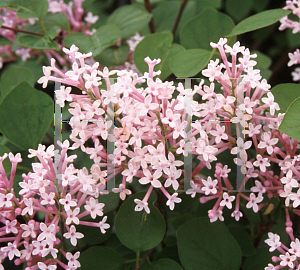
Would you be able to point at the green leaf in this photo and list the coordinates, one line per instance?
(201, 4)
(35, 66)
(105, 36)
(101, 258)
(155, 46)
(51, 21)
(113, 56)
(238, 9)
(165, 13)
(138, 230)
(6, 163)
(111, 201)
(260, 260)
(244, 241)
(284, 94)
(27, 8)
(130, 19)
(258, 21)
(263, 61)
(209, 245)
(209, 26)
(190, 62)
(290, 124)
(162, 264)
(18, 74)
(38, 43)
(25, 115)
(1, 22)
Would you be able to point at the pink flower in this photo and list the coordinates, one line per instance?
(48, 233)
(141, 205)
(261, 162)
(11, 226)
(172, 200)
(288, 260)
(103, 226)
(273, 241)
(63, 95)
(123, 191)
(90, 18)
(241, 148)
(147, 105)
(73, 235)
(68, 202)
(270, 101)
(12, 251)
(227, 200)
(253, 202)
(219, 133)
(72, 216)
(209, 186)
(94, 207)
(237, 215)
(43, 266)
(72, 259)
(151, 178)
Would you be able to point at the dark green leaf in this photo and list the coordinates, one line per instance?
(290, 124)
(258, 261)
(101, 258)
(38, 43)
(285, 94)
(130, 19)
(238, 9)
(263, 61)
(27, 8)
(258, 21)
(18, 74)
(201, 4)
(155, 46)
(6, 163)
(105, 36)
(113, 56)
(204, 245)
(190, 62)
(138, 230)
(244, 241)
(51, 21)
(209, 26)
(25, 115)
(162, 264)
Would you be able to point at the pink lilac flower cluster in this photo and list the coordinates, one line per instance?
(56, 188)
(244, 103)
(73, 10)
(289, 257)
(150, 133)
(286, 23)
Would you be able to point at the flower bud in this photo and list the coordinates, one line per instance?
(18, 211)
(289, 230)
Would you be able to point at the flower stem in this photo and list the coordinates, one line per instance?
(151, 23)
(182, 7)
(43, 25)
(21, 31)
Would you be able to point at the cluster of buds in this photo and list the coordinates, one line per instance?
(63, 193)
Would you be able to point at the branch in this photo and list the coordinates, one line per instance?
(21, 31)
(182, 7)
(148, 8)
